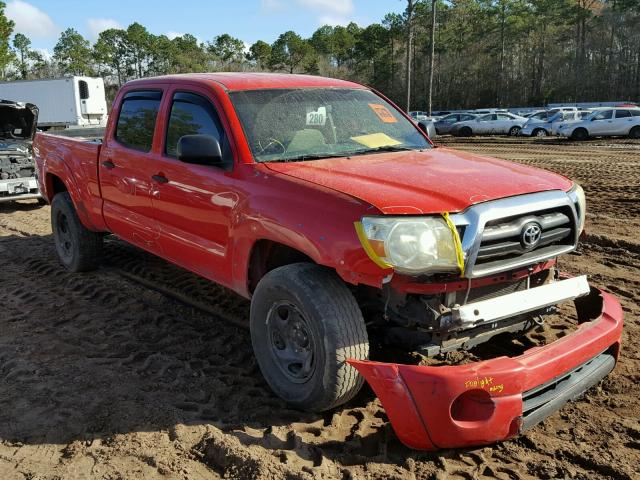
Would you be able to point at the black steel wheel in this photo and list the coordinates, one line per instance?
(305, 324)
(78, 248)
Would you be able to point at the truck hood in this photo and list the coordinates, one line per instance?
(431, 181)
(17, 120)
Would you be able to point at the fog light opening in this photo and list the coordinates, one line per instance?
(472, 407)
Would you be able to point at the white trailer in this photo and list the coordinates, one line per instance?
(63, 102)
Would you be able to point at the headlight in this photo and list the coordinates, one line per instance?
(412, 245)
(577, 195)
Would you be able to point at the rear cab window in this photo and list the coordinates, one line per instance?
(137, 119)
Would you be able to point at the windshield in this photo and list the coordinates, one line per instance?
(312, 123)
(556, 116)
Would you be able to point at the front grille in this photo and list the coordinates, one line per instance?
(503, 239)
(494, 237)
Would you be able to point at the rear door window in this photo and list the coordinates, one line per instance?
(623, 114)
(605, 115)
(137, 119)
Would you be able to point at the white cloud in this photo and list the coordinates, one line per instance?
(46, 53)
(171, 35)
(97, 25)
(272, 5)
(31, 21)
(333, 20)
(339, 8)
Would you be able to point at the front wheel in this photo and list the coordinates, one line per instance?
(305, 324)
(579, 134)
(540, 132)
(514, 131)
(78, 249)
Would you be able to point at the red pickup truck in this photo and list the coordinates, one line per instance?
(324, 204)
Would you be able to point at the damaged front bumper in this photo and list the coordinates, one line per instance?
(480, 403)
(19, 189)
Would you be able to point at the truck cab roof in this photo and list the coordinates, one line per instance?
(235, 81)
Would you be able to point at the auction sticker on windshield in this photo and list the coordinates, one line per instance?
(383, 113)
(318, 117)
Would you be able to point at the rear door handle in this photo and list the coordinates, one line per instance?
(108, 164)
(160, 179)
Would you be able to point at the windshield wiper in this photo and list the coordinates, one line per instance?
(320, 156)
(387, 148)
(309, 156)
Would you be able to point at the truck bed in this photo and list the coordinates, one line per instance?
(74, 159)
(82, 133)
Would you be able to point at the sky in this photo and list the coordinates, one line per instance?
(250, 20)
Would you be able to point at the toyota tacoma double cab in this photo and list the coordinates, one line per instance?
(326, 206)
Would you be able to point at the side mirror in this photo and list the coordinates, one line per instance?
(200, 150)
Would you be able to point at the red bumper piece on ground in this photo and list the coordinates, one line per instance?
(480, 403)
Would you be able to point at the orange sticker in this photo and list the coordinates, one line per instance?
(383, 113)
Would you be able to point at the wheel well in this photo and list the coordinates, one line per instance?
(55, 185)
(267, 255)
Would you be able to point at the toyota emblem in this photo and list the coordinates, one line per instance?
(531, 235)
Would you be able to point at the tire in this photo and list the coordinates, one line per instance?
(579, 134)
(465, 132)
(514, 131)
(79, 249)
(635, 133)
(308, 307)
(539, 132)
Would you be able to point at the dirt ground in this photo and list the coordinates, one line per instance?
(142, 370)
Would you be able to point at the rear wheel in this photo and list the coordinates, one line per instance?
(305, 324)
(634, 133)
(580, 134)
(78, 249)
(465, 132)
(513, 131)
(540, 132)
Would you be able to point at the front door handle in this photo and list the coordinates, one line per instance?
(108, 164)
(160, 178)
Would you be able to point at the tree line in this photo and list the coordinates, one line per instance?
(466, 53)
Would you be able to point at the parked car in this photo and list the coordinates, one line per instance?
(490, 124)
(609, 122)
(419, 115)
(484, 111)
(539, 114)
(17, 167)
(325, 205)
(569, 117)
(428, 126)
(539, 127)
(443, 126)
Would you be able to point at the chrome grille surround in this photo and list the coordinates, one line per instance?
(475, 219)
